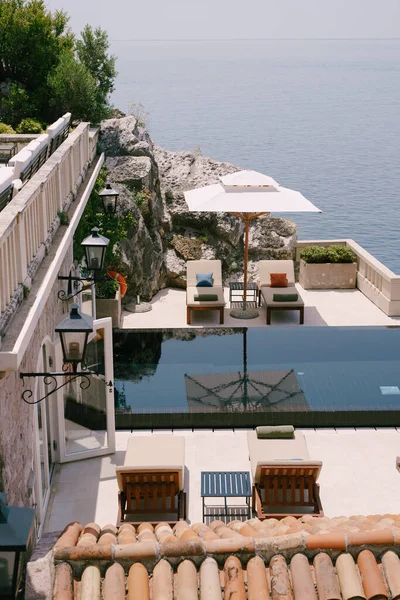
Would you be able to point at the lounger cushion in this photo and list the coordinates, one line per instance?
(268, 295)
(266, 267)
(191, 292)
(204, 266)
(285, 297)
(204, 279)
(275, 431)
(154, 454)
(277, 452)
(206, 297)
(278, 280)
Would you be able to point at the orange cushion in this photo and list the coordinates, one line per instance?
(278, 280)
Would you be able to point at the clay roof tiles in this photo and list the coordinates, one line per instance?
(292, 559)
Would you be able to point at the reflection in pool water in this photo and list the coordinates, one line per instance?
(272, 374)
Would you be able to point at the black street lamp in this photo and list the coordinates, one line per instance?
(16, 531)
(109, 198)
(95, 246)
(74, 332)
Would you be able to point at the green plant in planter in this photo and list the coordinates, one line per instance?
(107, 289)
(328, 254)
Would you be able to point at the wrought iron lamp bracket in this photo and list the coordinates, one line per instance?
(79, 283)
(50, 379)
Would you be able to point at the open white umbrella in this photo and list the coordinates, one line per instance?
(247, 195)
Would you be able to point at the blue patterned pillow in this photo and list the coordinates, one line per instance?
(204, 279)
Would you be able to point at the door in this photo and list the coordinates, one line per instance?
(86, 419)
(44, 454)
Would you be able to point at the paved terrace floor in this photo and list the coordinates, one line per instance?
(322, 307)
(358, 476)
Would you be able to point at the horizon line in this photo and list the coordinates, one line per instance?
(254, 39)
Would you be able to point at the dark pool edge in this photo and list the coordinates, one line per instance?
(243, 420)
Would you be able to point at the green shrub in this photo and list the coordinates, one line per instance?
(29, 126)
(4, 128)
(107, 289)
(328, 254)
(169, 196)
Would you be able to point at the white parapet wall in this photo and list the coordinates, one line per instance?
(30, 219)
(378, 283)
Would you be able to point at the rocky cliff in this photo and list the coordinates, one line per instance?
(151, 182)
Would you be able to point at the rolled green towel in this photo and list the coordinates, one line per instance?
(285, 297)
(206, 297)
(277, 431)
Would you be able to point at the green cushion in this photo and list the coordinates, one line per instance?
(285, 297)
(278, 431)
(206, 297)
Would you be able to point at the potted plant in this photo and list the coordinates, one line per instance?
(108, 300)
(328, 267)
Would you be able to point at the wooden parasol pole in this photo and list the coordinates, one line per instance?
(246, 256)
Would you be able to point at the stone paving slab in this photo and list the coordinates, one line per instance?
(358, 476)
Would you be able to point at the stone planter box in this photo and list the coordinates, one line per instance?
(327, 276)
(110, 307)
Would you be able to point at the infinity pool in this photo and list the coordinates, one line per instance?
(306, 376)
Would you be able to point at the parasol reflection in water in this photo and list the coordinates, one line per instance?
(250, 391)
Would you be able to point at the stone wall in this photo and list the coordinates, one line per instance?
(17, 419)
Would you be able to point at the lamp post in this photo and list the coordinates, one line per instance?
(95, 246)
(109, 197)
(74, 332)
(16, 530)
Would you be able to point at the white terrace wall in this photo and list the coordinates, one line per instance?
(27, 229)
(19, 139)
(29, 222)
(374, 280)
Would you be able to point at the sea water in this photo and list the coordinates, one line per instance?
(319, 116)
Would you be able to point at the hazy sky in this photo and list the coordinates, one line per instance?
(220, 19)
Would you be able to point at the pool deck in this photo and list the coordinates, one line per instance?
(322, 307)
(358, 476)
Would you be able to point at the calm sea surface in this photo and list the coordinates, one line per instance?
(319, 116)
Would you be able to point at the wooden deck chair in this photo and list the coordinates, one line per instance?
(194, 267)
(266, 292)
(151, 481)
(284, 477)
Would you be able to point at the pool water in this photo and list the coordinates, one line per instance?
(308, 376)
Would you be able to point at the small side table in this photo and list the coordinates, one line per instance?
(225, 484)
(238, 286)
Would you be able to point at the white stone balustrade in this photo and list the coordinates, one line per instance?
(30, 218)
(378, 283)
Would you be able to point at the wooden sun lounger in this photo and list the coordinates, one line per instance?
(266, 292)
(287, 490)
(204, 266)
(151, 481)
(284, 476)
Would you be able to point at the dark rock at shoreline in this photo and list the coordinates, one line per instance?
(166, 234)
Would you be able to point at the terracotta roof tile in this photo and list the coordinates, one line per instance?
(302, 581)
(338, 558)
(391, 566)
(349, 578)
(138, 583)
(325, 575)
(371, 576)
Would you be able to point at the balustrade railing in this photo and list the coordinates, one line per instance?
(25, 223)
(374, 279)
